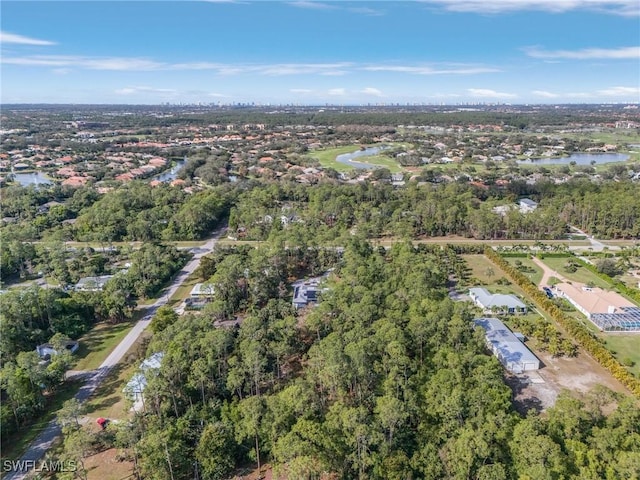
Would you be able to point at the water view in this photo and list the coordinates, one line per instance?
(34, 178)
(171, 174)
(347, 158)
(579, 159)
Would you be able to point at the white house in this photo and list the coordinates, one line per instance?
(135, 387)
(46, 350)
(496, 302)
(201, 290)
(92, 284)
(527, 205)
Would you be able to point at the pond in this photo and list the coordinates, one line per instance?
(169, 175)
(579, 158)
(347, 158)
(34, 178)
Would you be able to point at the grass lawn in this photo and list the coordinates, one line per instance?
(533, 271)
(629, 280)
(97, 344)
(327, 158)
(183, 290)
(13, 446)
(581, 275)
(383, 161)
(483, 270)
(622, 345)
(625, 345)
(487, 274)
(108, 400)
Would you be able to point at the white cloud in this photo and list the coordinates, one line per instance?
(312, 5)
(108, 63)
(299, 69)
(217, 95)
(300, 90)
(6, 37)
(615, 7)
(426, 70)
(486, 93)
(545, 94)
(372, 91)
(370, 12)
(587, 53)
(620, 92)
(277, 69)
(337, 92)
(143, 64)
(61, 71)
(143, 89)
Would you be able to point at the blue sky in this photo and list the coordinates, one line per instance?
(308, 52)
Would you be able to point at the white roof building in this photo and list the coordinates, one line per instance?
(527, 205)
(92, 284)
(135, 387)
(46, 350)
(202, 290)
(505, 345)
(498, 302)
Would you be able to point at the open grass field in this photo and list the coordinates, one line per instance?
(488, 274)
(581, 275)
(624, 346)
(97, 344)
(327, 159)
(384, 161)
(533, 271)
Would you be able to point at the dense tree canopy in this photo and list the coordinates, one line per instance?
(385, 378)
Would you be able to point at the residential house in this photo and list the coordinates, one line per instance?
(496, 302)
(307, 292)
(135, 387)
(527, 205)
(92, 284)
(46, 350)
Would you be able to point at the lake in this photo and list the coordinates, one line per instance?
(579, 158)
(35, 178)
(347, 158)
(171, 174)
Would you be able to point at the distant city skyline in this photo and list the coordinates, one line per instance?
(314, 53)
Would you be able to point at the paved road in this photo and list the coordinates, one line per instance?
(596, 245)
(47, 437)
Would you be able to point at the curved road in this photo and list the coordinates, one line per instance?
(45, 439)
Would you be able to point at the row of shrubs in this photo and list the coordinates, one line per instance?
(574, 328)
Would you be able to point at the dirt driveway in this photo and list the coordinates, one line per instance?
(547, 273)
(539, 389)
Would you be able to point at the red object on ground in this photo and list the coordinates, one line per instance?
(102, 422)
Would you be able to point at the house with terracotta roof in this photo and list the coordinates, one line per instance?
(76, 181)
(608, 310)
